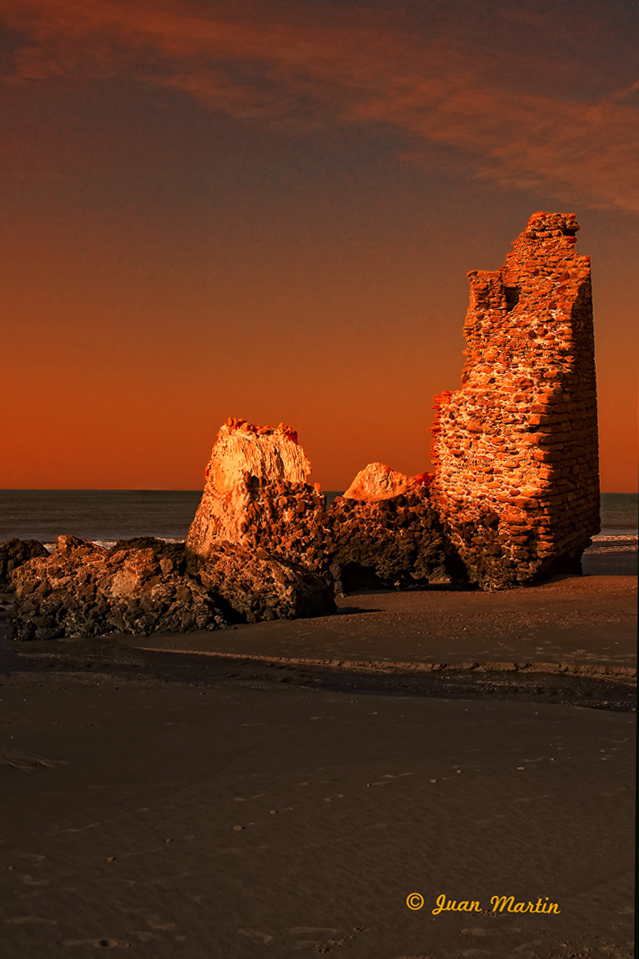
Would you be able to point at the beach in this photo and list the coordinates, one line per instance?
(286, 796)
(319, 522)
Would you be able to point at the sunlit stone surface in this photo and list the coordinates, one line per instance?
(515, 449)
(242, 451)
(377, 482)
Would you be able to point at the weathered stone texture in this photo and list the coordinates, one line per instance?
(377, 481)
(146, 586)
(395, 542)
(15, 552)
(259, 587)
(515, 449)
(289, 521)
(356, 542)
(82, 589)
(385, 533)
(242, 451)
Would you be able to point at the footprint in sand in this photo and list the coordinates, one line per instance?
(80, 829)
(319, 935)
(255, 936)
(30, 881)
(326, 939)
(154, 922)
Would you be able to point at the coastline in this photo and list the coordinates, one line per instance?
(179, 806)
(569, 622)
(283, 788)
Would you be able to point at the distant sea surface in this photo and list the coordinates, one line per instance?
(108, 515)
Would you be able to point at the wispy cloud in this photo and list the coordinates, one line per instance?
(298, 76)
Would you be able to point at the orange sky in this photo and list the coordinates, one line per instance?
(269, 210)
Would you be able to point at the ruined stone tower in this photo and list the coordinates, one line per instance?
(515, 449)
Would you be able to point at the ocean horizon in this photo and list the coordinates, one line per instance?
(105, 516)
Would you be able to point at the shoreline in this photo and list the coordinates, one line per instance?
(569, 641)
(154, 812)
(211, 796)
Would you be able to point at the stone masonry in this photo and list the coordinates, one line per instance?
(514, 497)
(515, 449)
(242, 454)
(382, 532)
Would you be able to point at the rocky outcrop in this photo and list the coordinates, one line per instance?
(393, 543)
(369, 543)
(146, 586)
(515, 449)
(289, 521)
(241, 451)
(377, 482)
(15, 552)
(85, 590)
(259, 587)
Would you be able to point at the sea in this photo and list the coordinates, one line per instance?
(105, 516)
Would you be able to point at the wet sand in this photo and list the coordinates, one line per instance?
(572, 623)
(195, 806)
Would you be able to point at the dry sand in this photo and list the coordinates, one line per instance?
(195, 806)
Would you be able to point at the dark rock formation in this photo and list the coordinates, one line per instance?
(259, 587)
(356, 543)
(396, 542)
(146, 586)
(15, 552)
(85, 590)
(289, 521)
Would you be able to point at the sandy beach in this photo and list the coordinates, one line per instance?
(202, 806)
(577, 624)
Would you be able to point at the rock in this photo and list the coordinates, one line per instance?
(257, 538)
(374, 537)
(82, 589)
(241, 451)
(288, 520)
(15, 552)
(391, 543)
(259, 587)
(146, 586)
(376, 482)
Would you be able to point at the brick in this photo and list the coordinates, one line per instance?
(528, 396)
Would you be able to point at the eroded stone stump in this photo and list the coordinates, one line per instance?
(242, 454)
(515, 449)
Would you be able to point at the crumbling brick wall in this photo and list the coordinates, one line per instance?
(515, 449)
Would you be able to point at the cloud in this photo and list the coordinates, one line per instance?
(299, 75)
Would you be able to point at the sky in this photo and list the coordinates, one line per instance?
(267, 209)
